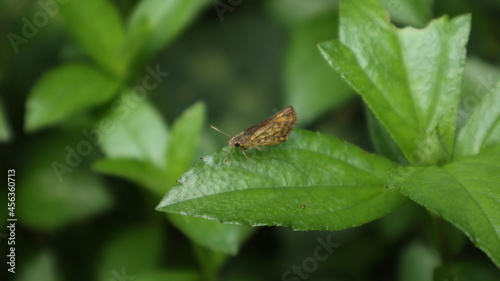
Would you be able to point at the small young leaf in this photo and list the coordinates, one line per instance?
(482, 129)
(135, 130)
(479, 79)
(66, 90)
(134, 138)
(142, 172)
(140, 148)
(464, 192)
(382, 140)
(310, 182)
(410, 78)
(183, 141)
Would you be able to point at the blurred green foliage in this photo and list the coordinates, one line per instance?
(105, 104)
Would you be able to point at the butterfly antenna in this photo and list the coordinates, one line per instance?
(220, 131)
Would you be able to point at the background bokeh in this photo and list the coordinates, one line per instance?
(237, 62)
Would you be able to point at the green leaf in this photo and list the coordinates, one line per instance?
(141, 149)
(130, 51)
(134, 137)
(382, 140)
(446, 238)
(479, 79)
(67, 90)
(418, 262)
(310, 86)
(56, 188)
(143, 173)
(132, 251)
(97, 27)
(464, 193)
(183, 141)
(218, 237)
(165, 19)
(210, 261)
(411, 12)
(482, 129)
(311, 182)
(5, 132)
(41, 266)
(134, 130)
(409, 78)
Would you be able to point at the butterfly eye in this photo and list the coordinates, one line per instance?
(236, 144)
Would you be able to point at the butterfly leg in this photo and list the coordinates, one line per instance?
(244, 154)
(243, 151)
(227, 156)
(260, 149)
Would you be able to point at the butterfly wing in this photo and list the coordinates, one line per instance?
(273, 130)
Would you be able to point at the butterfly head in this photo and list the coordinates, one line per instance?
(234, 142)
